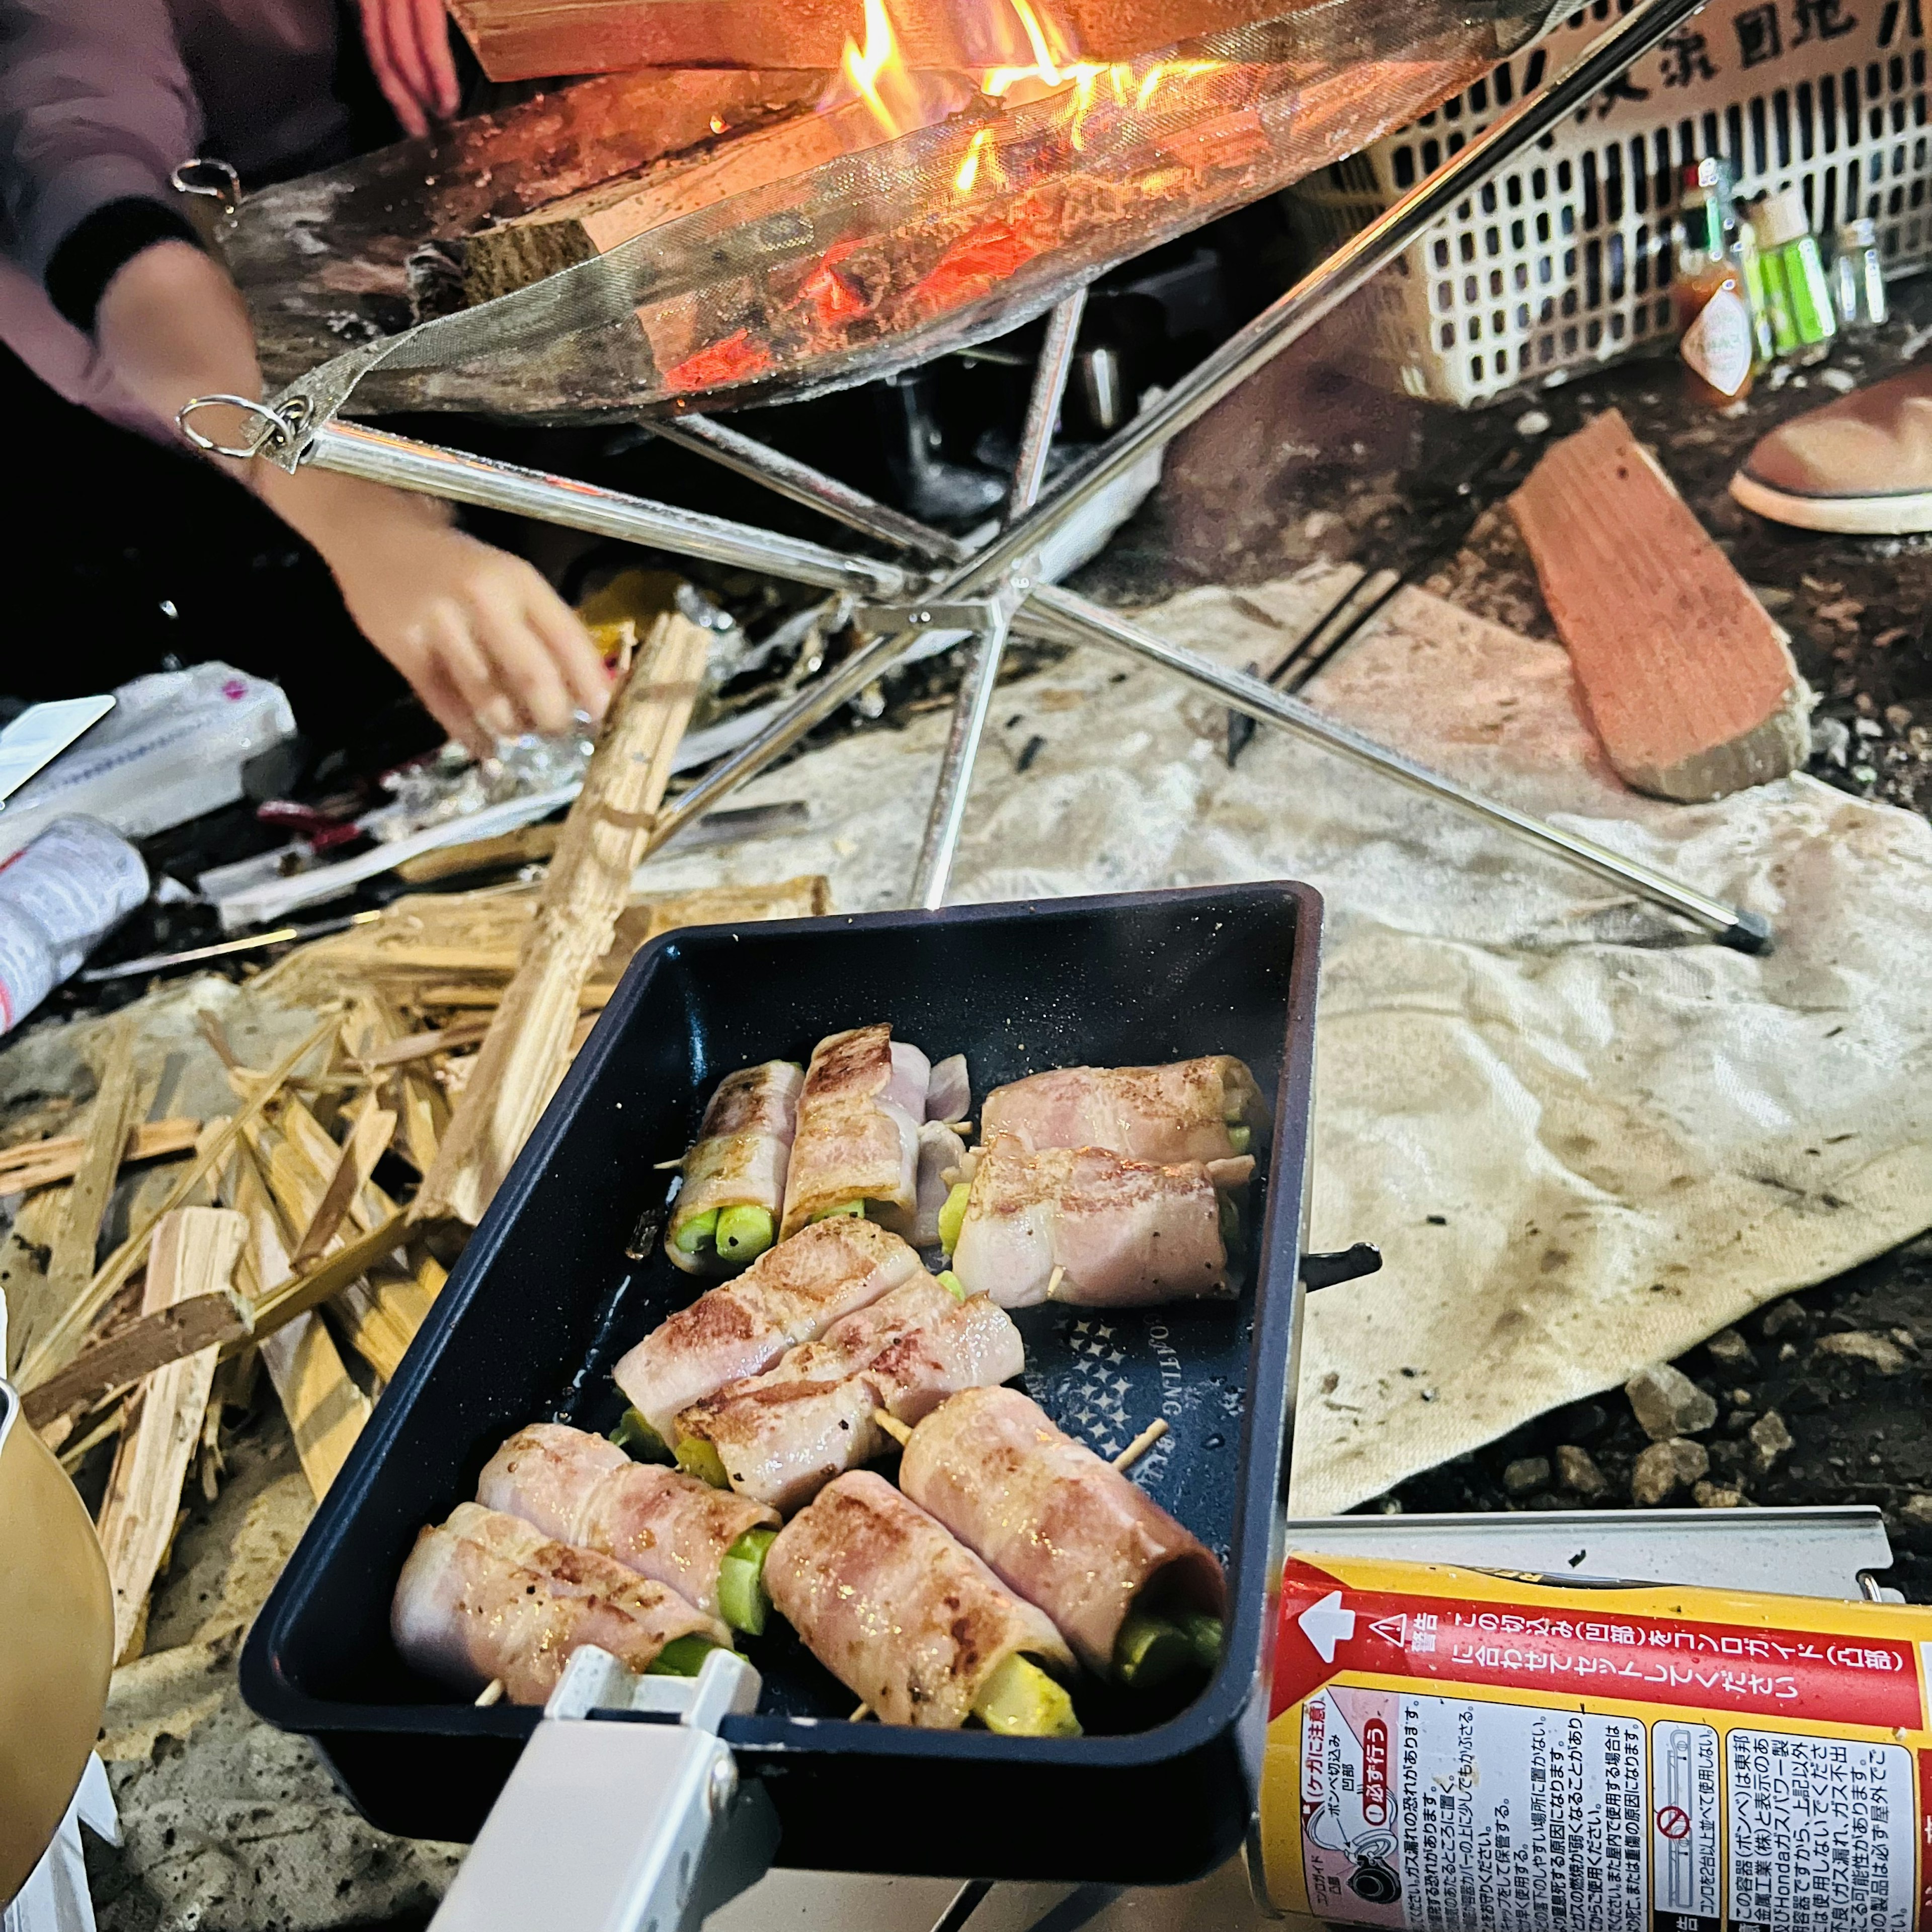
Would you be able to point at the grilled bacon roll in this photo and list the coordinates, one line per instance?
(487, 1595)
(1056, 1523)
(858, 1120)
(739, 1161)
(1081, 1225)
(660, 1523)
(1206, 1110)
(783, 1436)
(903, 1614)
(791, 1293)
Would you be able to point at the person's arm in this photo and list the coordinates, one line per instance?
(487, 644)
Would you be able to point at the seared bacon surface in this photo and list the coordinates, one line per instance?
(1121, 1233)
(859, 1118)
(1058, 1524)
(741, 1152)
(1179, 1112)
(790, 1293)
(660, 1523)
(899, 1611)
(486, 1595)
(783, 1436)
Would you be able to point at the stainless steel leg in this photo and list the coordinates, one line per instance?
(1066, 613)
(379, 458)
(948, 813)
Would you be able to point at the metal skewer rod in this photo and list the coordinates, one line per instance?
(1065, 613)
(379, 458)
(970, 709)
(705, 435)
(1357, 261)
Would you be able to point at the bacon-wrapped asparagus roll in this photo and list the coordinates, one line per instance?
(1134, 1593)
(1081, 1225)
(663, 1524)
(1206, 1110)
(791, 1293)
(856, 1149)
(727, 1213)
(488, 1595)
(782, 1436)
(907, 1618)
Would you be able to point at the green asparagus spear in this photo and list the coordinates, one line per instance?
(1150, 1650)
(1240, 1136)
(953, 1214)
(697, 1457)
(700, 1231)
(1020, 1700)
(743, 1601)
(743, 1234)
(953, 1286)
(638, 1439)
(857, 1209)
(1231, 1221)
(683, 1657)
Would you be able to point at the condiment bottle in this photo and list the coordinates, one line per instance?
(1710, 293)
(1797, 294)
(1858, 275)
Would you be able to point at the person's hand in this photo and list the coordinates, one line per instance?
(408, 43)
(487, 644)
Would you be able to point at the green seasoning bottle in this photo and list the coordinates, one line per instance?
(1717, 332)
(1797, 292)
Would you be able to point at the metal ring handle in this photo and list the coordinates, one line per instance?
(278, 428)
(190, 178)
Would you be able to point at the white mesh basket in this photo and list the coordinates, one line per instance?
(1564, 261)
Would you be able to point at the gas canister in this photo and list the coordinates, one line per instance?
(1469, 1751)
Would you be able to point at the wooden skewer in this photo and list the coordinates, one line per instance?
(1141, 1444)
(665, 1166)
(490, 1693)
(859, 1716)
(1054, 1280)
(893, 1427)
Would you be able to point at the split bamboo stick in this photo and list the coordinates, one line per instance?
(45, 1163)
(193, 1254)
(588, 886)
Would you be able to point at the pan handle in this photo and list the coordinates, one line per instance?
(624, 1810)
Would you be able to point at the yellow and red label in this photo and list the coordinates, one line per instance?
(1468, 1752)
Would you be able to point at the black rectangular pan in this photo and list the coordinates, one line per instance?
(549, 1294)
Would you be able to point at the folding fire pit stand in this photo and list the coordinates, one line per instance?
(996, 589)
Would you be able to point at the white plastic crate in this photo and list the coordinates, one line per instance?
(1563, 260)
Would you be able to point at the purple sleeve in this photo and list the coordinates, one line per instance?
(95, 108)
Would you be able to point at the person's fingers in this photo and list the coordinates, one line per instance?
(432, 33)
(378, 42)
(399, 27)
(525, 672)
(444, 703)
(586, 676)
(469, 669)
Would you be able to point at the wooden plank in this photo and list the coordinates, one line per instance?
(323, 1281)
(380, 1315)
(193, 1254)
(521, 39)
(582, 226)
(588, 886)
(167, 1335)
(529, 846)
(1690, 686)
(44, 1163)
(71, 1266)
(63, 1340)
(325, 1410)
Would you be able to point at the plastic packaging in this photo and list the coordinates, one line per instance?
(59, 898)
(1858, 275)
(1798, 301)
(1461, 1750)
(1710, 293)
(173, 747)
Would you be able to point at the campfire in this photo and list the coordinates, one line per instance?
(910, 209)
